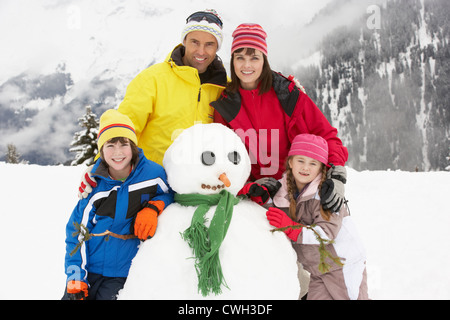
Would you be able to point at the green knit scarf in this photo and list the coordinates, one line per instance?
(206, 242)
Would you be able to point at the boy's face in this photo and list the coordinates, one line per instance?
(118, 156)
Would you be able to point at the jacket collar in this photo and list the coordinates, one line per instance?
(215, 74)
(281, 199)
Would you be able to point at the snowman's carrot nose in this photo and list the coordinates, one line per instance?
(223, 177)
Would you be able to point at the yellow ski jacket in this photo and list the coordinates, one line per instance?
(169, 97)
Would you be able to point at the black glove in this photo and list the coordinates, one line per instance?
(332, 194)
(271, 184)
(255, 192)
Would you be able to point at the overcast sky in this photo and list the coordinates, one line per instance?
(36, 34)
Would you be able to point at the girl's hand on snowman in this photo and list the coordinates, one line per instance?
(147, 220)
(256, 192)
(279, 219)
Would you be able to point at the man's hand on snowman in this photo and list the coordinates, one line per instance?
(146, 220)
(87, 183)
(332, 194)
(261, 190)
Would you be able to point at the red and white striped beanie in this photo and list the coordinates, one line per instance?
(249, 35)
(311, 146)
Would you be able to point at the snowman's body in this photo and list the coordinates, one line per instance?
(256, 263)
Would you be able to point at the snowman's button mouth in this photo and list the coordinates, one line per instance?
(207, 186)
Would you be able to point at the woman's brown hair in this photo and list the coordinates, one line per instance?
(265, 80)
(292, 190)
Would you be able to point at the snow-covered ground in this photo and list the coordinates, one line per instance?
(403, 218)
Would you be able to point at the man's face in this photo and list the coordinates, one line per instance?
(201, 48)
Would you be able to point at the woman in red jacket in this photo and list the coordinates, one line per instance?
(267, 110)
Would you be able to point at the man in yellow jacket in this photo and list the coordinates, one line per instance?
(173, 95)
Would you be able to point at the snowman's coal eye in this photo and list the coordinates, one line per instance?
(208, 158)
(234, 157)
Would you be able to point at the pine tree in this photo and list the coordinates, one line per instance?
(12, 155)
(85, 141)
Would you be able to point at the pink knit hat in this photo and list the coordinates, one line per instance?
(311, 146)
(249, 35)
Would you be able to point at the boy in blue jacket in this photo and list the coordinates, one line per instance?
(132, 191)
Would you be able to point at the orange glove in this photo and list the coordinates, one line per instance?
(77, 290)
(147, 219)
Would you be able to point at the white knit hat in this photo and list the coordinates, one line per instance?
(205, 24)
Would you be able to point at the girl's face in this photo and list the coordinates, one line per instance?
(304, 169)
(248, 68)
(118, 156)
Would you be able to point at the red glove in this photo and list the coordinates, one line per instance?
(77, 290)
(147, 219)
(256, 192)
(279, 219)
(87, 183)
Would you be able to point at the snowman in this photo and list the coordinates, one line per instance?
(210, 244)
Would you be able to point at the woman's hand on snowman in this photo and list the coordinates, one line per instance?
(256, 192)
(261, 190)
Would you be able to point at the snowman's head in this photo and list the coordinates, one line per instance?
(205, 159)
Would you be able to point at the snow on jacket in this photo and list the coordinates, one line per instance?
(168, 97)
(340, 228)
(269, 122)
(112, 206)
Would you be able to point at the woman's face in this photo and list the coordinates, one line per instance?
(248, 68)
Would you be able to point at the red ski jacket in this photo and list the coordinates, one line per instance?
(268, 123)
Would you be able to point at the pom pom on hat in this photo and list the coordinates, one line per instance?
(310, 145)
(114, 124)
(205, 24)
(249, 35)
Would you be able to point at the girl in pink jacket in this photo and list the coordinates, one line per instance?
(297, 203)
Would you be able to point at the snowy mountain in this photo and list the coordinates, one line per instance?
(384, 88)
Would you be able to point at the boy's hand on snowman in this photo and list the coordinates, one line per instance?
(279, 219)
(87, 183)
(77, 290)
(147, 219)
(256, 192)
(332, 193)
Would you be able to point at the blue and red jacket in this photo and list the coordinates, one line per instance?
(268, 123)
(112, 206)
